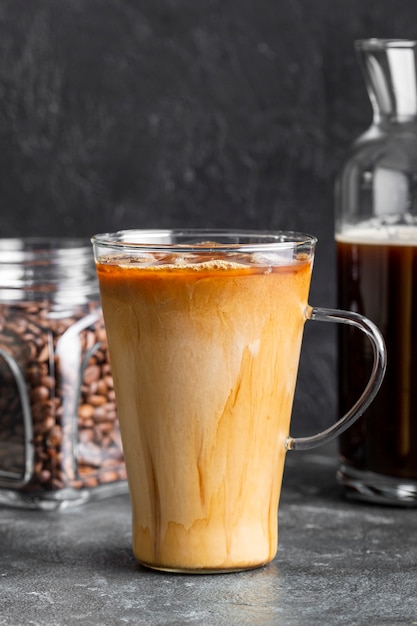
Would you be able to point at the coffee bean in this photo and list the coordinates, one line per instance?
(44, 352)
(100, 414)
(101, 388)
(39, 394)
(48, 382)
(67, 404)
(96, 400)
(85, 412)
(54, 436)
(91, 374)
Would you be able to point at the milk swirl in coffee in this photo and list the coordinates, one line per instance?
(204, 398)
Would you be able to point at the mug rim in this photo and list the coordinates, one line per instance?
(208, 240)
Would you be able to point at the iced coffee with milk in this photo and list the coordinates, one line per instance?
(204, 332)
(204, 350)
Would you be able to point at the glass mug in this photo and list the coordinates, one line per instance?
(204, 330)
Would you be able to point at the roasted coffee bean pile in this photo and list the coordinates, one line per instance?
(64, 362)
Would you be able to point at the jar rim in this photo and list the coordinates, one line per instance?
(51, 268)
(19, 249)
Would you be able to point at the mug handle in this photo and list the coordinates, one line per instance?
(377, 375)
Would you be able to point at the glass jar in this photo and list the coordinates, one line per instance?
(376, 238)
(59, 435)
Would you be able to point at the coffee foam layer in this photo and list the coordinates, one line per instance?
(396, 235)
(202, 262)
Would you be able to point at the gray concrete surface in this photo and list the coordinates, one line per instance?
(337, 563)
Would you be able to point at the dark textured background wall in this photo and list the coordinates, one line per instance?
(159, 113)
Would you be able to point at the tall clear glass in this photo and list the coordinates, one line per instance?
(376, 238)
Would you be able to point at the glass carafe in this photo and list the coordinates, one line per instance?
(376, 239)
